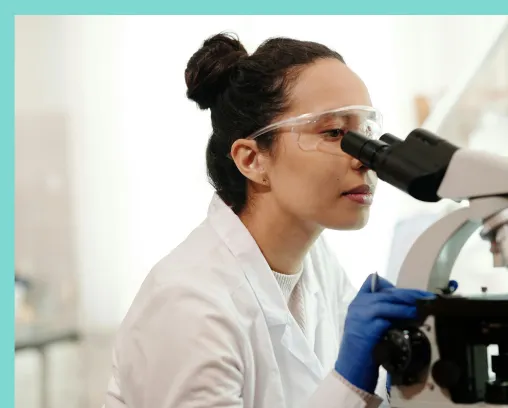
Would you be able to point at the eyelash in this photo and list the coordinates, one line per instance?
(335, 133)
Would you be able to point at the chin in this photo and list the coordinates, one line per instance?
(348, 222)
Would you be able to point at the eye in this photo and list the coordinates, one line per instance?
(334, 133)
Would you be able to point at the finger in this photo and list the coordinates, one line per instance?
(395, 296)
(380, 326)
(404, 296)
(393, 311)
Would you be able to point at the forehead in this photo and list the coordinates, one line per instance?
(324, 85)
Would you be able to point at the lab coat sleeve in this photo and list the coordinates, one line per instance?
(183, 350)
(113, 397)
(335, 392)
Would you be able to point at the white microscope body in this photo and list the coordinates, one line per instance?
(441, 359)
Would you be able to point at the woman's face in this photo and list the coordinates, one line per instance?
(314, 186)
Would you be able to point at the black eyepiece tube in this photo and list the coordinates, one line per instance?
(362, 148)
(352, 144)
(390, 139)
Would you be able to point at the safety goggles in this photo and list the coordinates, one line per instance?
(323, 131)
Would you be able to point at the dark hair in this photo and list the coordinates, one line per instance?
(244, 94)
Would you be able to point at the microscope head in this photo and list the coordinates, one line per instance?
(429, 168)
(416, 165)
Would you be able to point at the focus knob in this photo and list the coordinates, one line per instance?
(404, 354)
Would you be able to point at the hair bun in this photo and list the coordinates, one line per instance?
(208, 70)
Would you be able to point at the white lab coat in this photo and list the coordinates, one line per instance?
(210, 328)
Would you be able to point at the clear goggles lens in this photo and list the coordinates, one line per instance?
(325, 133)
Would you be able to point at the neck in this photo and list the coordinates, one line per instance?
(283, 240)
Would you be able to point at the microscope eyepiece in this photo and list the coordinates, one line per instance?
(362, 148)
(352, 144)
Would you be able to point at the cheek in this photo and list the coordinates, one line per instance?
(308, 177)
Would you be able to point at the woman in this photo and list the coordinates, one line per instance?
(249, 311)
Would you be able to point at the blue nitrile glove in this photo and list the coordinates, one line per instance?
(369, 316)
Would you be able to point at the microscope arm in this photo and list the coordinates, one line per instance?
(429, 262)
(469, 175)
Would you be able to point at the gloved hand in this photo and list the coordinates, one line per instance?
(369, 316)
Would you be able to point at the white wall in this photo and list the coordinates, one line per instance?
(95, 97)
(139, 144)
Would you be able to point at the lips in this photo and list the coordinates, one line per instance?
(360, 195)
(363, 189)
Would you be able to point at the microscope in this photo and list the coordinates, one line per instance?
(440, 358)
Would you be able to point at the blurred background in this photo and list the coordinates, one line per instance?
(110, 170)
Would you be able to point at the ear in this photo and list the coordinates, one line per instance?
(249, 160)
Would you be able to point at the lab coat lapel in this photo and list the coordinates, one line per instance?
(298, 363)
(244, 248)
(325, 337)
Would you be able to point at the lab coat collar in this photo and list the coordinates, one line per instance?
(309, 280)
(282, 326)
(259, 274)
(257, 271)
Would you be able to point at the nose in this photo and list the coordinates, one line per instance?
(357, 165)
